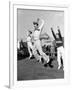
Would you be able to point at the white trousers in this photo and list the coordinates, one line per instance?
(37, 45)
(60, 53)
(30, 47)
(34, 51)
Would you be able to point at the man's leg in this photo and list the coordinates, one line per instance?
(29, 49)
(29, 52)
(62, 56)
(39, 48)
(34, 51)
(59, 57)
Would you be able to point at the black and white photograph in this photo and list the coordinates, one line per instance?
(40, 44)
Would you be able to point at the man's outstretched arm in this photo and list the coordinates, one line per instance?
(59, 34)
(53, 33)
(42, 24)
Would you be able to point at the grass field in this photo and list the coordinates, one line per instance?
(30, 69)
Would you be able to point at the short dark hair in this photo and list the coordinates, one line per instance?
(35, 23)
(30, 32)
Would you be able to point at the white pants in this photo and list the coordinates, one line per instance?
(60, 53)
(30, 47)
(33, 52)
(37, 45)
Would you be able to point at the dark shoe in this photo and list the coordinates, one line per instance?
(46, 65)
(42, 60)
(51, 66)
(32, 57)
(50, 63)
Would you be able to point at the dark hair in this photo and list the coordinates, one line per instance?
(30, 32)
(35, 23)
